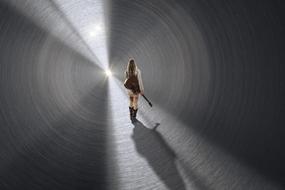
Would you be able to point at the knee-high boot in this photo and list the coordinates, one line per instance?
(135, 113)
(131, 113)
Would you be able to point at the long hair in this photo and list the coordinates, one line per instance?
(131, 68)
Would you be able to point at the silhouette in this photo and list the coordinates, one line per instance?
(150, 144)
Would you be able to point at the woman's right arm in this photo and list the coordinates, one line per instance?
(140, 82)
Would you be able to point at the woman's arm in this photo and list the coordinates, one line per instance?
(140, 82)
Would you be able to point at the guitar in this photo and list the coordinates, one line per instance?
(150, 104)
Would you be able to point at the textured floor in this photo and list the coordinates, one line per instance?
(214, 72)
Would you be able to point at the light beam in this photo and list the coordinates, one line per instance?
(90, 24)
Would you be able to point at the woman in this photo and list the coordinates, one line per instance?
(133, 72)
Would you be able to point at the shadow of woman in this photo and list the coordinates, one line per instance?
(150, 144)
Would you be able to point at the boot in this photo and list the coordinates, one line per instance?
(135, 113)
(131, 113)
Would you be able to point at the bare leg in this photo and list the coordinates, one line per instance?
(133, 106)
(131, 101)
(135, 102)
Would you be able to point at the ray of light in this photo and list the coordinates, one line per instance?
(127, 161)
(46, 15)
(139, 151)
(88, 19)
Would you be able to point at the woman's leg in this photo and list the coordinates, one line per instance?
(135, 102)
(131, 107)
(131, 101)
(135, 105)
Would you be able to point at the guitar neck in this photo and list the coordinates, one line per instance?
(145, 98)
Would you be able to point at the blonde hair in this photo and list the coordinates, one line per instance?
(131, 68)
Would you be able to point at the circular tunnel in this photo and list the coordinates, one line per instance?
(214, 72)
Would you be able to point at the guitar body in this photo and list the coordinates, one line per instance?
(132, 83)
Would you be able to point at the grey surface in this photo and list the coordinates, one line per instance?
(213, 70)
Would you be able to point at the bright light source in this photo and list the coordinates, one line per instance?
(96, 30)
(108, 72)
